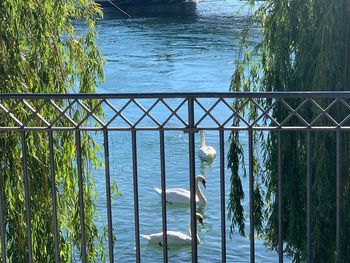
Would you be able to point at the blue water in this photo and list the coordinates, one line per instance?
(170, 53)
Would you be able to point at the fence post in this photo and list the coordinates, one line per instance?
(108, 195)
(2, 220)
(192, 167)
(251, 194)
(54, 196)
(81, 196)
(222, 195)
(338, 197)
(27, 196)
(136, 195)
(163, 186)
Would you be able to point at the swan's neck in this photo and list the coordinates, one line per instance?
(202, 139)
(199, 193)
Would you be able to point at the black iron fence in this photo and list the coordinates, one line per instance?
(188, 112)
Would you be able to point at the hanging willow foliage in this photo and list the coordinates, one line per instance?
(304, 46)
(42, 52)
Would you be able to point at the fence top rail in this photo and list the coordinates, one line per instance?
(275, 94)
(161, 111)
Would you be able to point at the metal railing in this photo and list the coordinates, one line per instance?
(186, 112)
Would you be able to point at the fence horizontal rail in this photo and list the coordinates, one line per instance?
(168, 111)
(276, 94)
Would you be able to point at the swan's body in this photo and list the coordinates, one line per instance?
(174, 238)
(183, 196)
(206, 153)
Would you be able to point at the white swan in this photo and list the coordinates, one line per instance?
(206, 153)
(174, 238)
(182, 196)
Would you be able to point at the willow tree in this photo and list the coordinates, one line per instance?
(42, 52)
(304, 46)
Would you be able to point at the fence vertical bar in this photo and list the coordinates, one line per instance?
(222, 195)
(2, 221)
(136, 196)
(192, 179)
(108, 196)
(308, 197)
(163, 185)
(280, 202)
(54, 195)
(27, 196)
(251, 195)
(81, 196)
(338, 197)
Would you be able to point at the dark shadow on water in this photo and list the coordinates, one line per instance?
(187, 9)
(170, 247)
(200, 208)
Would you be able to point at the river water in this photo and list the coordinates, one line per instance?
(190, 50)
